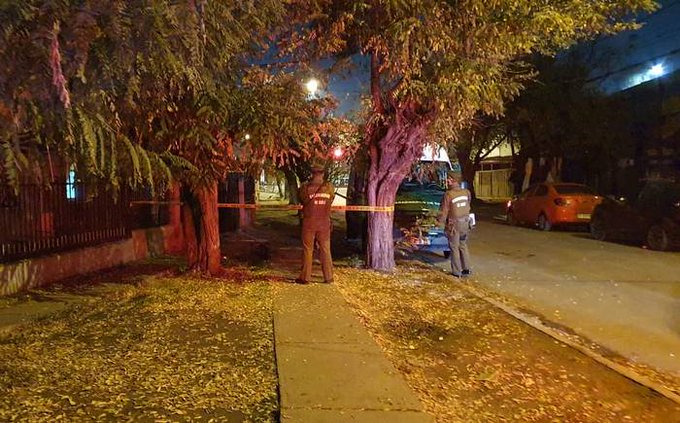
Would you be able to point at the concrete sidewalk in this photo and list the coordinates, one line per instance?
(330, 369)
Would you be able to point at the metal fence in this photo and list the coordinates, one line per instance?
(40, 220)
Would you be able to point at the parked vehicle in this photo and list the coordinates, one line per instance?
(415, 211)
(652, 218)
(548, 204)
(417, 203)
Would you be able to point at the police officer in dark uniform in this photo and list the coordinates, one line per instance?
(455, 216)
(316, 197)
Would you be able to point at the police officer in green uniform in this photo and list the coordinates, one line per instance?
(316, 197)
(455, 216)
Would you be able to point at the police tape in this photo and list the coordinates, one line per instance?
(378, 209)
(156, 203)
(381, 209)
(375, 209)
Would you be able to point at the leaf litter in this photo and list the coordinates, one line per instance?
(470, 362)
(167, 349)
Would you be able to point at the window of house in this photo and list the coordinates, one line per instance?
(71, 184)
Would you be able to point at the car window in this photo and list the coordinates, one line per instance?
(409, 186)
(541, 191)
(656, 195)
(566, 189)
(433, 187)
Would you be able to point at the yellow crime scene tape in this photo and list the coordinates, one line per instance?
(383, 209)
(376, 209)
(156, 203)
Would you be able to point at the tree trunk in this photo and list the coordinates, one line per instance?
(469, 177)
(209, 255)
(356, 195)
(278, 185)
(243, 217)
(189, 226)
(468, 169)
(176, 243)
(291, 186)
(201, 230)
(391, 156)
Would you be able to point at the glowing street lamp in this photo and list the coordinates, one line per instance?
(657, 70)
(338, 152)
(312, 86)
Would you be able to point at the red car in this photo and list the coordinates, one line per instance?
(549, 204)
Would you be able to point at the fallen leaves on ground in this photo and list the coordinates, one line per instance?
(165, 349)
(470, 362)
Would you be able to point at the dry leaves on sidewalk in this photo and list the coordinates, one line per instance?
(470, 362)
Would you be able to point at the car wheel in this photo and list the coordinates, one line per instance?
(657, 238)
(510, 218)
(597, 230)
(543, 222)
(447, 254)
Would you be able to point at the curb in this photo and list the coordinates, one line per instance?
(536, 323)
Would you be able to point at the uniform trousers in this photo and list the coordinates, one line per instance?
(457, 233)
(323, 236)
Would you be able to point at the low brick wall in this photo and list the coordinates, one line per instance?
(40, 271)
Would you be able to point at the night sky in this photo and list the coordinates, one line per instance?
(619, 61)
(624, 60)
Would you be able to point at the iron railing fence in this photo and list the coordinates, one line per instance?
(47, 219)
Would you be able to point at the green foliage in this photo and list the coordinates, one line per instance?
(454, 58)
(126, 90)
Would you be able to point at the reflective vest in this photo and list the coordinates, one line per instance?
(455, 205)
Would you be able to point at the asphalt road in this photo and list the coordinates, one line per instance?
(622, 297)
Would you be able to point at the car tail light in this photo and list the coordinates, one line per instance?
(561, 201)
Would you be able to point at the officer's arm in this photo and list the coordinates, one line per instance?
(302, 194)
(331, 191)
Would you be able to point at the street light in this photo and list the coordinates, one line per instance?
(338, 153)
(312, 86)
(657, 70)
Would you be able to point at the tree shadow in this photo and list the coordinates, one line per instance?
(85, 285)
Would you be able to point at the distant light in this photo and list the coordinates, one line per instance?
(648, 74)
(338, 152)
(247, 137)
(312, 85)
(657, 70)
(71, 184)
